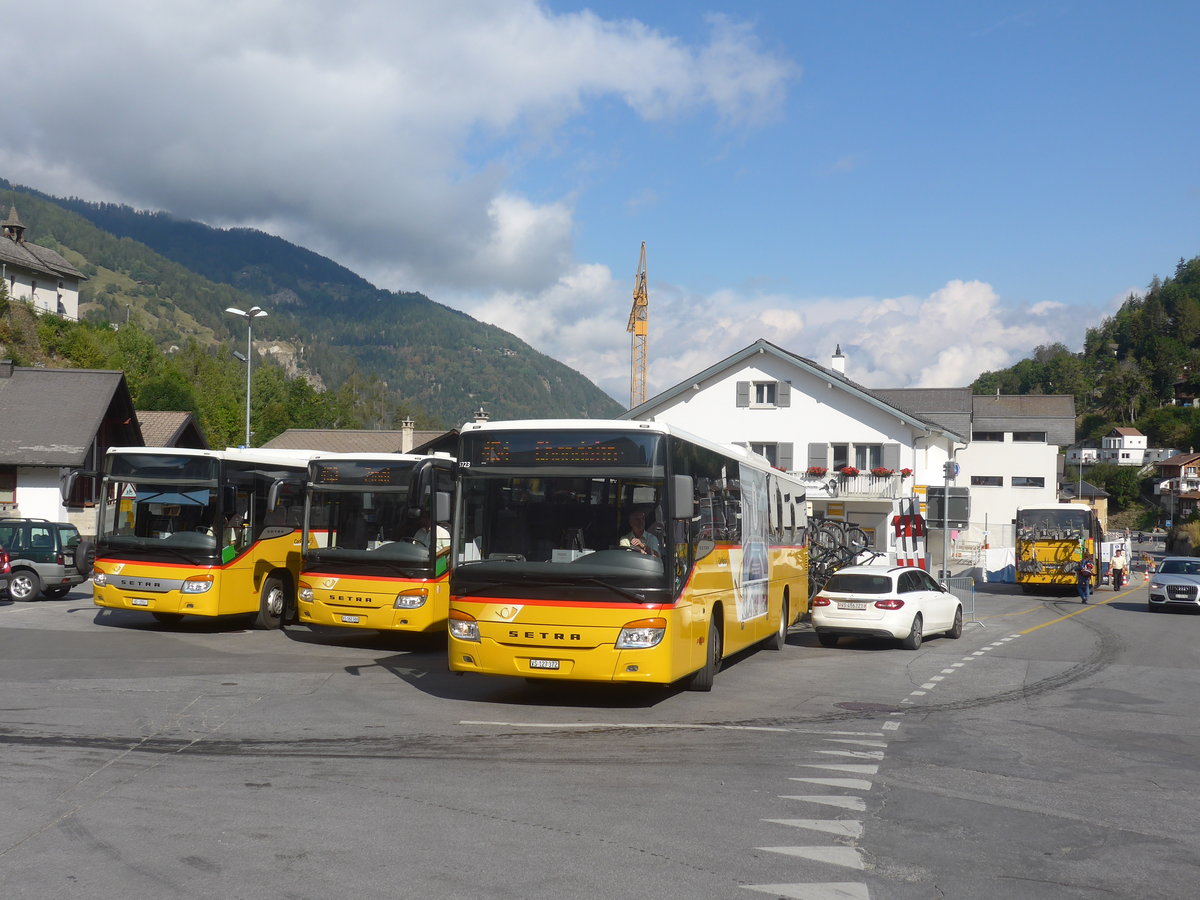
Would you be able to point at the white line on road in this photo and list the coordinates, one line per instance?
(846, 890)
(851, 828)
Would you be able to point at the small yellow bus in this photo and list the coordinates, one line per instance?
(1051, 542)
(619, 551)
(185, 532)
(377, 542)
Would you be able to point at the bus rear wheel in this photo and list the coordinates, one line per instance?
(271, 604)
(778, 640)
(703, 680)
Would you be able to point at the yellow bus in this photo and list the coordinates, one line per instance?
(377, 542)
(619, 551)
(1051, 542)
(200, 532)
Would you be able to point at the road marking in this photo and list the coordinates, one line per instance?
(838, 856)
(857, 804)
(891, 726)
(1083, 607)
(851, 828)
(849, 769)
(643, 725)
(854, 754)
(861, 743)
(818, 891)
(854, 784)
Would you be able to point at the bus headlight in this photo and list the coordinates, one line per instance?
(413, 598)
(196, 585)
(463, 626)
(641, 634)
(305, 593)
(99, 579)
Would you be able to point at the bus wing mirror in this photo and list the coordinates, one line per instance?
(66, 484)
(273, 493)
(442, 502)
(683, 500)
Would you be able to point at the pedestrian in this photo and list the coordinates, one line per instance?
(1083, 577)
(1118, 567)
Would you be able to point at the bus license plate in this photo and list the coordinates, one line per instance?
(543, 664)
(350, 620)
(139, 601)
(852, 606)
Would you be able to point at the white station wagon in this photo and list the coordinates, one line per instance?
(901, 602)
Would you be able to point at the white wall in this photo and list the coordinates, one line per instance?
(994, 508)
(38, 494)
(48, 294)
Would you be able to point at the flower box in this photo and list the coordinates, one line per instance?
(816, 471)
(881, 472)
(848, 471)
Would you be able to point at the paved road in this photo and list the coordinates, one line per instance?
(1051, 752)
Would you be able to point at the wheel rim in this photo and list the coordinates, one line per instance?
(275, 601)
(21, 587)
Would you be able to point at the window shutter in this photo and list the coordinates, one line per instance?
(743, 393)
(783, 456)
(891, 457)
(818, 455)
(783, 394)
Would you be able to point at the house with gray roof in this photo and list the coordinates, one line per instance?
(37, 274)
(171, 428)
(349, 440)
(53, 422)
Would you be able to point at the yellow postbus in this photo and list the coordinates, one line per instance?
(377, 542)
(200, 532)
(1051, 542)
(619, 551)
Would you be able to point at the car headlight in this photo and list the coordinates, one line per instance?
(463, 626)
(305, 593)
(197, 584)
(413, 598)
(641, 634)
(99, 579)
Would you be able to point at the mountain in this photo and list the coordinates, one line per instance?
(176, 277)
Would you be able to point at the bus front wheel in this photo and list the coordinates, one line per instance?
(271, 603)
(778, 640)
(703, 680)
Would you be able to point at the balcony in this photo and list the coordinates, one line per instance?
(861, 487)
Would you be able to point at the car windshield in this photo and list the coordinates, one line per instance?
(859, 583)
(1180, 567)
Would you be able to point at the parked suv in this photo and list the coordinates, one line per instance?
(44, 557)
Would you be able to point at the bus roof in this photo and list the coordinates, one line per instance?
(252, 455)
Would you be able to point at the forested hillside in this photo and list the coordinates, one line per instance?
(399, 354)
(1129, 367)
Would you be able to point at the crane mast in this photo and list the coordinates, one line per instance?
(639, 327)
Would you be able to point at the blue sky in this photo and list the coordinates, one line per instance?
(937, 187)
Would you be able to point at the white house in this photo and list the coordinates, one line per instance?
(37, 274)
(1124, 447)
(806, 418)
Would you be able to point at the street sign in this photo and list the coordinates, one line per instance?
(960, 507)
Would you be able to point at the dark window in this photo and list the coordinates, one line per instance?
(987, 481)
(8, 485)
(1028, 481)
(987, 435)
(1035, 437)
(767, 450)
(764, 393)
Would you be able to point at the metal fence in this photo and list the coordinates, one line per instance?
(963, 587)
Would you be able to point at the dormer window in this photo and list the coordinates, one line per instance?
(764, 394)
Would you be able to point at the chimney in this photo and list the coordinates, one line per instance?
(838, 363)
(6, 368)
(406, 435)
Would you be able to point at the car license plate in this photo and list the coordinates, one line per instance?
(852, 606)
(350, 620)
(543, 664)
(139, 601)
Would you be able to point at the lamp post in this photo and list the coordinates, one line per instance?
(254, 313)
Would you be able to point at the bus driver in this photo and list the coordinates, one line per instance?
(638, 538)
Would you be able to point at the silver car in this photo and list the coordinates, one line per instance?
(1175, 584)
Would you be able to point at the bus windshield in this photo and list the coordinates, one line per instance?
(1054, 524)
(555, 527)
(366, 512)
(149, 514)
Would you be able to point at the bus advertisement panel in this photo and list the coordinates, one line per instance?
(377, 542)
(200, 532)
(1051, 542)
(618, 552)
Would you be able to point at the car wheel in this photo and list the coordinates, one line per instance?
(778, 640)
(25, 585)
(1150, 607)
(271, 604)
(85, 557)
(956, 629)
(913, 641)
(827, 639)
(167, 618)
(703, 680)
(56, 592)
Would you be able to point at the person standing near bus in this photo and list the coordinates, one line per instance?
(1119, 568)
(1083, 577)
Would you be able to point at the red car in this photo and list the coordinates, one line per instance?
(5, 571)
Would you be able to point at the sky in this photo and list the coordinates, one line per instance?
(936, 187)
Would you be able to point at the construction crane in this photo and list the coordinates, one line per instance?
(639, 327)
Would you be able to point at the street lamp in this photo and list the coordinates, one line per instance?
(254, 313)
